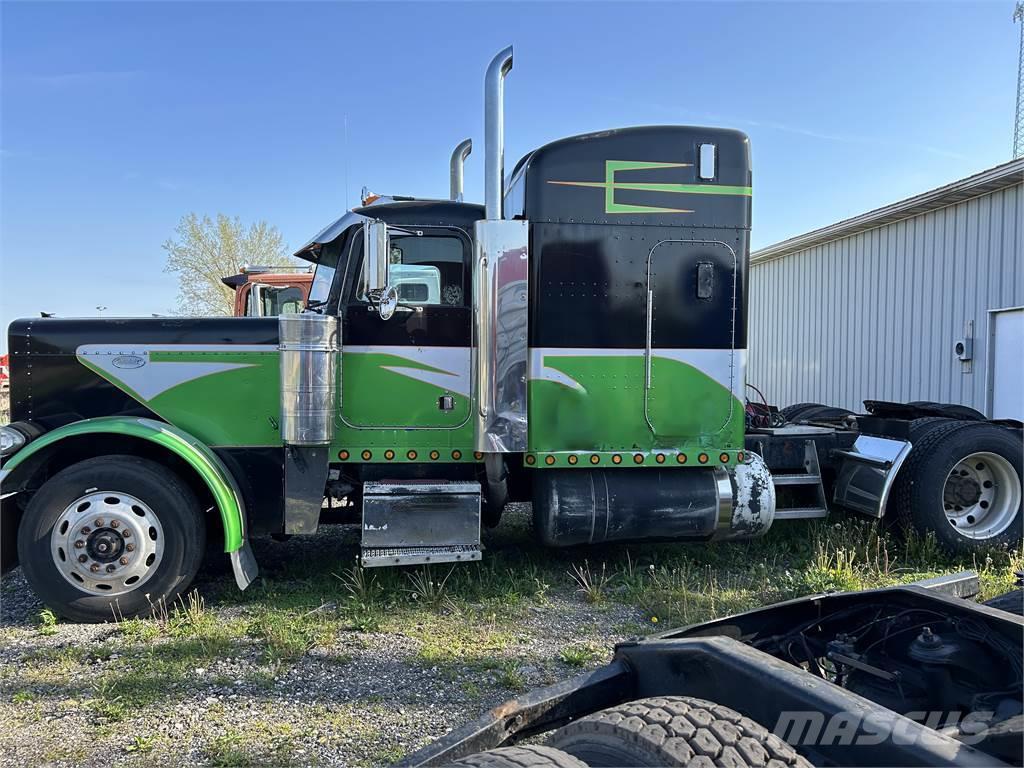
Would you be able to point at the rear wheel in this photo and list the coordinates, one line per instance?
(521, 757)
(673, 731)
(109, 537)
(962, 483)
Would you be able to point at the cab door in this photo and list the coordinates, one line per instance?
(413, 370)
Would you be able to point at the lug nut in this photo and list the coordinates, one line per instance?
(79, 544)
(114, 524)
(86, 530)
(123, 561)
(98, 522)
(126, 532)
(111, 568)
(95, 567)
(82, 559)
(130, 547)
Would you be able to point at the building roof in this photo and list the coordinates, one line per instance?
(991, 180)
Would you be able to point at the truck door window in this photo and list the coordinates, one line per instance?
(426, 271)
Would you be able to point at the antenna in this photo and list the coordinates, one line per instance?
(1018, 126)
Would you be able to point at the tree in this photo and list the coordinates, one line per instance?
(204, 251)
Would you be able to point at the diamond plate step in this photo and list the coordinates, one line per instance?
(455, 553)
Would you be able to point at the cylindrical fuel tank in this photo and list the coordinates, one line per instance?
(308, 344)
(588, 506)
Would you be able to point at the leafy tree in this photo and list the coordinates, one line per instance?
(204, 251)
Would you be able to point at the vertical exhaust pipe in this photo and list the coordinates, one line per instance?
(494, 132)
(457, 162)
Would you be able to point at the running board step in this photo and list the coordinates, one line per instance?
(800, 513)
(456, 553)
(801, 495)
(796, 479)
(412, 522)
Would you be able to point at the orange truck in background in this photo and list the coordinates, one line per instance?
(259, 292)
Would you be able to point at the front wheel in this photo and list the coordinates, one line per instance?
(110, 537)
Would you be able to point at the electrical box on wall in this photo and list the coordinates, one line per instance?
(964, 349)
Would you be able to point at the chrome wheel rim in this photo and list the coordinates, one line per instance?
(107, 543)
(981, 495)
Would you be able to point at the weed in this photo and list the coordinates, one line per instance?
(362, 588)
(592, 586)
(429, 592)
(21, 697)
(141, 744)
(510, 677)
(285, 638)
(47, 620)
(580, 654)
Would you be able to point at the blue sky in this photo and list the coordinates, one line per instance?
(117, 119)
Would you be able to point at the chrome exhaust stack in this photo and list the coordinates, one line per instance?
(458, 161)
(494, 132)
(500, 307)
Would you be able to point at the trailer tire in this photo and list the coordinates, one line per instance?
(158, 537)
(673, 731)
(923, 500)
(528, 756)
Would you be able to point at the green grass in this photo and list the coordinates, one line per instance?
(472, 623)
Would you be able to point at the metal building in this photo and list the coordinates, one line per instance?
(919, 300)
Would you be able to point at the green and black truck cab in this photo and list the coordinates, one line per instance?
(578, 342)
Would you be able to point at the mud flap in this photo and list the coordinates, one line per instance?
(10, 518)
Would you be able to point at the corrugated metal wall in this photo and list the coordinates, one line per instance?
(875, 315)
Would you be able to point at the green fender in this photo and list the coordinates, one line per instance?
(200, 457)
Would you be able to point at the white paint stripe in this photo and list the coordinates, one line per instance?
(448, 381)
(453, 364)
(151, 379)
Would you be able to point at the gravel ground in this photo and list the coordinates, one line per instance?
(359, 699)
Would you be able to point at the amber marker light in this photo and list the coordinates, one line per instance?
(456, 455)
(367, 455)
(616, 459)
(681, 458)
(530, 460)
(573, 459)
(594, 459)
(703, 458)
(435, 455)
(638, 458)
(724, 458)
(660, 458)
(549, 460)
(389, 454)
(412, 455)
(343, 455)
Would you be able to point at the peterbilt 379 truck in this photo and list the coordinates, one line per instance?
(583, 348)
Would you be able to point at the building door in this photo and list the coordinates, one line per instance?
(1006, 367)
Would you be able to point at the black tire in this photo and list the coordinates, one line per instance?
(673, 731)
(1011, 602)
(170, 501)
(791, 412)
(918, 501)
(528, 756)
(814, 411)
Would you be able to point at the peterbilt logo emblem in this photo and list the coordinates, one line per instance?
(128, 361)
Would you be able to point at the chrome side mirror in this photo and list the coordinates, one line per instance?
(375, 267)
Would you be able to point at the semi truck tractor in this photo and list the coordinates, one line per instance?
(578, 342)
(266, 292)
